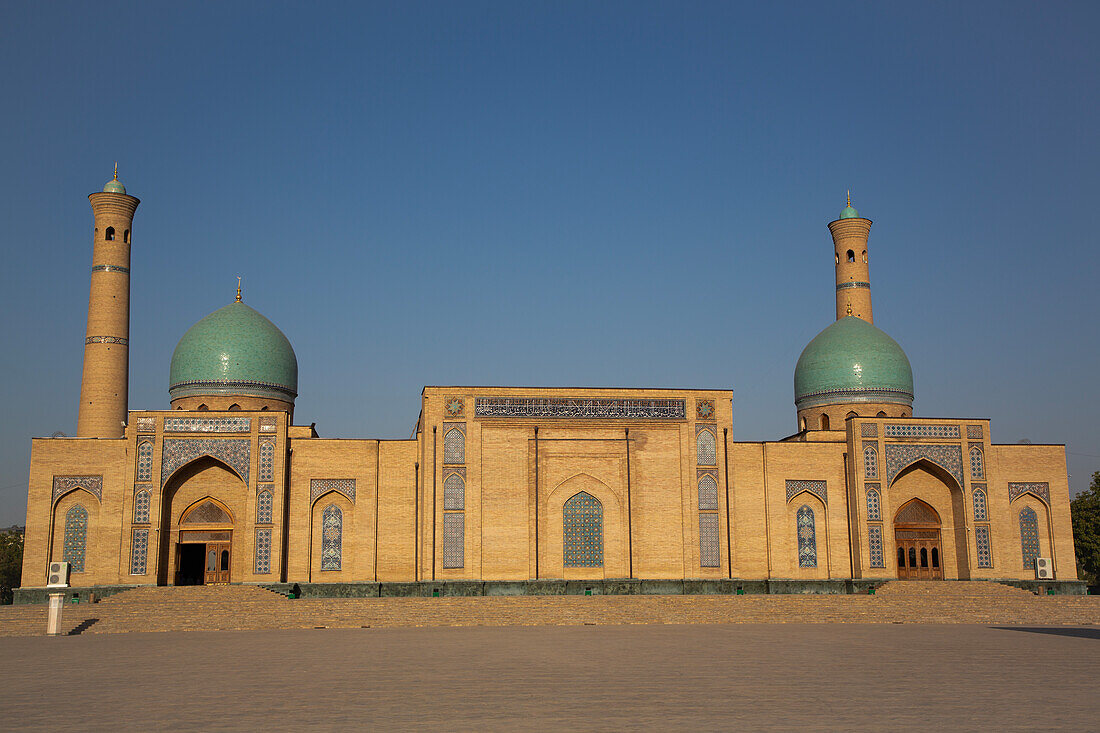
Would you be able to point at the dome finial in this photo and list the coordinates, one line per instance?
(848, 204)
(849, 307)
(116, 170)
(238, 288)
(849, 212)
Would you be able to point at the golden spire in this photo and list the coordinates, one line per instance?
(116, 170)
(239, 291)
(849, 306)
(849, 197)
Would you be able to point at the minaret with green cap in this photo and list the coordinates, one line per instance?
(853, 278)
(104, 384)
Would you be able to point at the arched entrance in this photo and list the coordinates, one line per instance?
(917, 536)
(205, 546)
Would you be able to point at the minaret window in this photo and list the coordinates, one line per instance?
(126, 239)
(851, 256)
(864, 255)
(109, 234)
(824, 422)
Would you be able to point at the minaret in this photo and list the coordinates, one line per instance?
(103, 386)
(853, 279)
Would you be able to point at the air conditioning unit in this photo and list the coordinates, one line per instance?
(58, 577)
(1043, 569)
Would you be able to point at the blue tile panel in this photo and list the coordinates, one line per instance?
(106, 340)
(868, 430)
(706, 449)
(264, 507)
(207, 424)
(980, 512)
(1029, 537)
(268, 424)
(708, 540)
(902, 455)
(76, 537)
(874, 504)
(974, 432)
(985, 550)
(454, 443)
(267, 461)
(874, 543)
(455, 407)
(807, 537)
(454, 540)
(584, 408)
(263, 551)
(922, 431)
(332, 530)
(708, 493)
(704, 409)
(817, 488)
(233, 452)
(318, 487)
(977, 465)
(64, 484)
(1040, 489)
(146, 424)
(454, 493)
(582, 522)
(139, 551)
(870, 461)
(141, 506)
(145, 461)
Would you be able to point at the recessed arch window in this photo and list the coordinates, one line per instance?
(802, 423)
(1029, 536)
(851, 256)
(980, 513)
(126, 236)
(264, 507)
(807, 537)
(76, 537)
(870, 462)
(706, 450)
(864, 256)
(881, 414)
(824, 421)
(202, 407)
(109, 234)
(332, 530)
(977, 465)
(708, 493)
(234, 407)
(874, 506)
(454, 446)
(582, 524)
(454, 493)
(145, 461)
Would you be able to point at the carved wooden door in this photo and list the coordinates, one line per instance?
(217, 562)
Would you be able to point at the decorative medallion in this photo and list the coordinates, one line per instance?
(704, 409)
(455, 407)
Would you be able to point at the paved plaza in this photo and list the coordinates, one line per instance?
(624, 677)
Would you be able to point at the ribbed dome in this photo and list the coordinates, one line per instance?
(852, 361)
(234, 350)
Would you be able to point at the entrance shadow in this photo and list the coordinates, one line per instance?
(1069, 631)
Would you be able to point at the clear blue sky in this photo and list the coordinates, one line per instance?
(598, 194)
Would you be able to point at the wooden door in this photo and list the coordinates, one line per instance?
(217, 562)
(920, 556)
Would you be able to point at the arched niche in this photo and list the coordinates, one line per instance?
(936, 488)
(552, 531)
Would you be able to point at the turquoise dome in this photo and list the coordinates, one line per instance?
(237, 351)
(849, 213)
(114, 186)
(852, 361)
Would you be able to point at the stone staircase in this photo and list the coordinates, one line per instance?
(239, 607)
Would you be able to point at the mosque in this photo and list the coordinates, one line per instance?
(525, 484)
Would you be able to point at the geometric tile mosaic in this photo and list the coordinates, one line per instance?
(981, 542)
(974, 432)
(454, 540)
(868, 430)
(1029, 536)
(870, 461)
(704, 409)
(584, 408)
(1040, 489)
(582, 521)
(263, 551)
(146, 424)
(454, 493)
(267, 461)
(207, 424)
(874, 542)
(454, 443)
(145, 461)
(141, 507)
(980, 512)
(874, 504)
(705, 448)
(321, 486)
(708, 493)
(264, 506)
(454, 407)
(268, 423)
(901, 455)
(817, 488)
(139, 551)
(332, 529)
(64, 484)
(708, 541)
(807, 537)
(977, 469)
(922, 431)
(76, 537)
(234, 453)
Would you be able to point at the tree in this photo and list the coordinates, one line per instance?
(1085, 513)
(11, 563)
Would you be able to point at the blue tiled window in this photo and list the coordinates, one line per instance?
(583, 527)
(332, 530)
(807, 537)
(76, 537)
